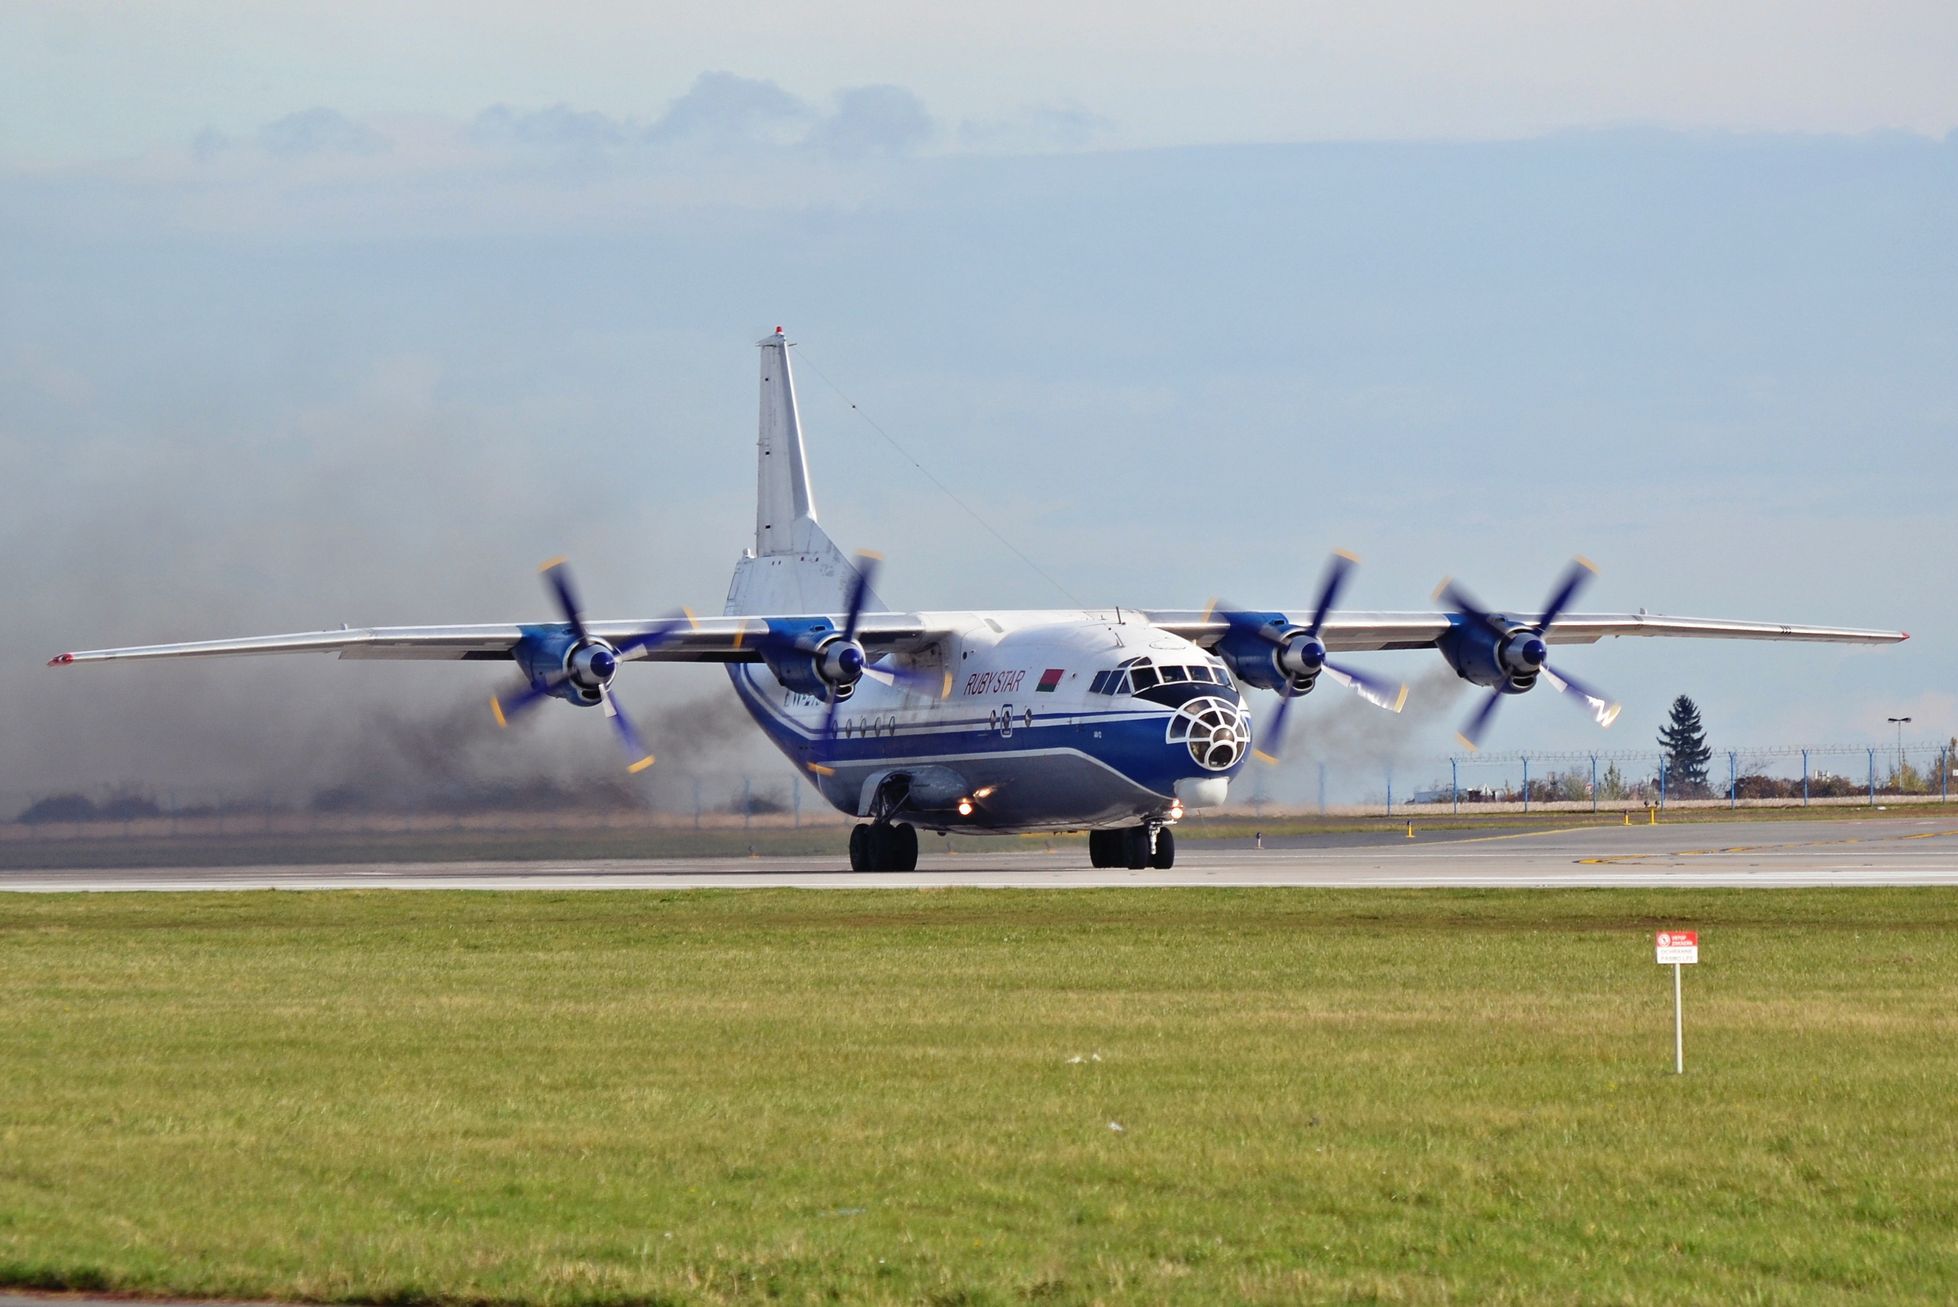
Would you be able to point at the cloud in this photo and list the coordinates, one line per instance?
(722, 109)
(1036, 128)
(558, 126)
(874, 120)
(319, 131)
(306, 134)
(721, 114)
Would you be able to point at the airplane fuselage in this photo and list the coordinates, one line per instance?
(1049, 721)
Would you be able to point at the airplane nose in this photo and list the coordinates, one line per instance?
(1215, 731)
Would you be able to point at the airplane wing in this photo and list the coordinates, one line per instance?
(705, 640)
(1360, 631)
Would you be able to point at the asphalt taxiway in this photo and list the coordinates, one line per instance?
(1904, 850)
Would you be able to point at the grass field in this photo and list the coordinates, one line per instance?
(894, 1096)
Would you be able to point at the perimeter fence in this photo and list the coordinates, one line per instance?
(1632, 780)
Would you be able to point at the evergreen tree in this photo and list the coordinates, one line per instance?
(1684, 742)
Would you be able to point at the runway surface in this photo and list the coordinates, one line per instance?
(1879, 851)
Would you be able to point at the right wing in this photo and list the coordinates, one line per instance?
(703, 640)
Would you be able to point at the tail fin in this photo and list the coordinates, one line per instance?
(784, 512)
(794, 566)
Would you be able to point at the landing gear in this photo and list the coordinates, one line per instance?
(1165, 855)
(1132, 848)
(884, 847)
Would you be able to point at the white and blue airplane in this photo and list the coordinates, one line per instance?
(1114, 720)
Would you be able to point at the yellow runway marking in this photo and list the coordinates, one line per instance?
(1523, 834)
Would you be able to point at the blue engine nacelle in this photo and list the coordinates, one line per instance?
(1497, 654)
(1269, 652)
(813, 659)
(582, 669)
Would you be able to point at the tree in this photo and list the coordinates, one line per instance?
(1684, 741)
(1612, 787)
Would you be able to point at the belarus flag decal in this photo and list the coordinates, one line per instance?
(1049, 681)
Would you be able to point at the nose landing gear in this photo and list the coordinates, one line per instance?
(1135, 847)
(882, 846)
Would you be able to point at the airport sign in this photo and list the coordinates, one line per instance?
(1678, 946)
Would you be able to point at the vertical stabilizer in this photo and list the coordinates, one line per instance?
(782, 473)
(795, 568)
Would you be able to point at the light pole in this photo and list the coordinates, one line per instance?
(1898, 722)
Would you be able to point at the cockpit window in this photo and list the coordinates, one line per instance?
(1143, 678)
(1174, 674)
(1200, 674)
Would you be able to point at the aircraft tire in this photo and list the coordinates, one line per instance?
(1098, 848)
(1137, 840)
(860, 848)
(904, 847)
(1165, 855)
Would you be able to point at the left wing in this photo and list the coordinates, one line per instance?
(1360, 631)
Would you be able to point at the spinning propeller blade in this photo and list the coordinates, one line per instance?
(637, 756)
(605, 660)
(1471, 732)
(1379, 693)
(1338, 568)
(1275, 733)
(1603, 711)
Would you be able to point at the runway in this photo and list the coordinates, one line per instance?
(1905, 850)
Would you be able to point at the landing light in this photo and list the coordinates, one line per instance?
(965, 807)
(984, 791)
(1176, 811)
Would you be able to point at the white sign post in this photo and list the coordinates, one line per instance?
(1680, 948)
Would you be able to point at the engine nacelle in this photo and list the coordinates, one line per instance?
(818, 662)
(1266, 651)
(1496, 654)
(552, 652)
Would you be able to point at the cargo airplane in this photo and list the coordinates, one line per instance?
(1110, 720)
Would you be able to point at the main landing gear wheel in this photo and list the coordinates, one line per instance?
(1165, 855)
(1135, 847)
(1105, 848)
(884, 847)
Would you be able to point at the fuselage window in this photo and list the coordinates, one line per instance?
(1142, 678)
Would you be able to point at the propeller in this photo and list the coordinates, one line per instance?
(1525, 650)
(851, 654)
(853, 661)
(590, 665)
(1307, 653)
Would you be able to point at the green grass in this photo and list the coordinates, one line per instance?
(709, 1097)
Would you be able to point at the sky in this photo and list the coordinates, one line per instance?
(316, 314)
